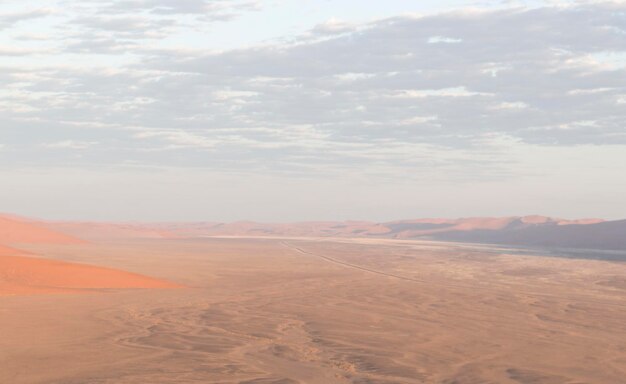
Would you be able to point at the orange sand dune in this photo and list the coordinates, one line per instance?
(98, 231)
(474, 223)
(7, 251)
(14, 231)
(425, 227)
(22, 274)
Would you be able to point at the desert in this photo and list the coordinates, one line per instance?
(245, 309)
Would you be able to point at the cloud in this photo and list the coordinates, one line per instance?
(124, 26)
(127, 26)
(213, 9)
(495, 103)
(69, 144)
(14, 51)
(9, 19)
(178, 139)
(400, 94)
(443, 39)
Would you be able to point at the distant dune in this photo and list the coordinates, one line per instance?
(524, 231)
(517, 230)
(23, 273)
(536, 231)
(96, 231)
(609, 235)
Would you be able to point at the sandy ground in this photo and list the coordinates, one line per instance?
(309, 311)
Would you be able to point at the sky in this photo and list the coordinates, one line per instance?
(297, 110)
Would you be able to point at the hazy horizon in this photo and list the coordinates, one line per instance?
(282, 111)
(18, 216)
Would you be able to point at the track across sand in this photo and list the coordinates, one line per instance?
(332, 260)
(447, 285)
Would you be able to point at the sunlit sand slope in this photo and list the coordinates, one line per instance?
(14, 230)
(23, 274)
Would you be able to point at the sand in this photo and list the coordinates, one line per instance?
(17, 230)
(23, 273)
(321, 311)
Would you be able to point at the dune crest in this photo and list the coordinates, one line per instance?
(14, 230)
(22, 274)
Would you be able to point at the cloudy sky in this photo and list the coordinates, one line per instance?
(285, 110)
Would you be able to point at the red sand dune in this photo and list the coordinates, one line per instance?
(580, 222)
(432, 228)
(14, 231)
(23, 274)
(492, 223)
(98, 231)
(479, 224)
(249, 228)
(7, 251)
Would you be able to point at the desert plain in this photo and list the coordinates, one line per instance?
(286, 310)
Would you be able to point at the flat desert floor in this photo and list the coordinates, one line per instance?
(282, 311)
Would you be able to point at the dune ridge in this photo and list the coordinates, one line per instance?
(20, 274)
(23, 272)
(533, 230)
(15, 230)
